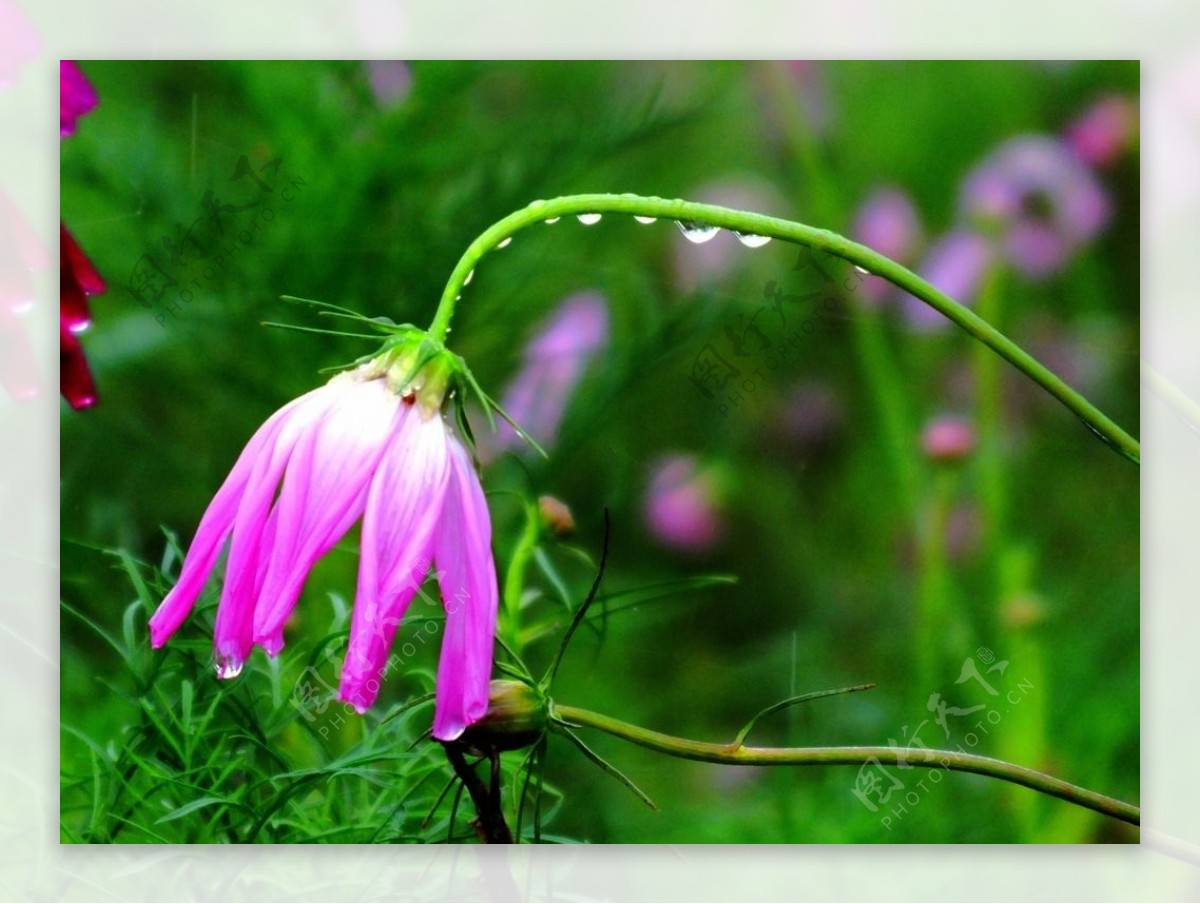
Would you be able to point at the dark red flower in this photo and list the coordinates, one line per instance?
(77, 277)
(77, 280)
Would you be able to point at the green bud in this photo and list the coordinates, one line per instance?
(516, 717)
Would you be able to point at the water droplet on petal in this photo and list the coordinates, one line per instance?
(696, 232)
(751, 239)
(645, 219)
(80, 327)
(587, 219)
(228, 666)
(505, 243)
(552, 220)
(470, 276)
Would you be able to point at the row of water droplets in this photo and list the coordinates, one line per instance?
(698, 233)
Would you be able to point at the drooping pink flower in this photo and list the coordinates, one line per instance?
(681, 505)
(76, 96)
(1040, 201)
(554, 363)
(358, 447)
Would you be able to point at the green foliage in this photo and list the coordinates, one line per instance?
(832, 568)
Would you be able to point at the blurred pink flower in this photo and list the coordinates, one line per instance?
(352, 448)
(948, 438)
(555, 360)
(681, 506)
(887, 222)
(19, 43)
(1040, 201)
(76, 96)
(1104, 131)
(810, 416)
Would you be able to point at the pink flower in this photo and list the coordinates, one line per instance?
(681, 509)
(354, 448)
(1104, 131)
(76, 96)
(948, 438)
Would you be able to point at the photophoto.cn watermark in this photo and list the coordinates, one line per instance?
(189, 260)
(728, 370)
(883, 791)
(317, 700)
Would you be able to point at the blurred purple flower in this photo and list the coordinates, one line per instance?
(681, 506)
(887, 222)
(554, 363)
(391, 81)
(1104, 131)
(1040, 201)
(955, 264)
(19, 43)
(76, 96)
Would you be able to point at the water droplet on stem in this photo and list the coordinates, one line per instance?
(751, 239)
(587, 219)
(696, 232)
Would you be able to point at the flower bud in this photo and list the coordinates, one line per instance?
(556, 516)
(516, 717)
(948, 439)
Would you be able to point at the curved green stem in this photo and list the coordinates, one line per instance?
(735, 754)
(785, 230)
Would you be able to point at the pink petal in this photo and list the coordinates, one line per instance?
(323, 494)
(467, 575)
(215, 526)
(234, 630)
(403, 508)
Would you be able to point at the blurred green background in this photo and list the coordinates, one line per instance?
(831, 561)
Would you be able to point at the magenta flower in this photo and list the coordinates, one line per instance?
(354, 448)
(1040, 201)
(681, 505)
(76, 96)
(554, 363)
